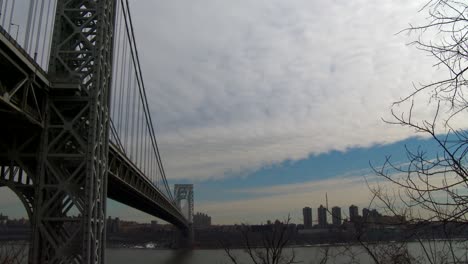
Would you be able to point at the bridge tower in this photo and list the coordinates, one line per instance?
(70, 191)
(185, 192)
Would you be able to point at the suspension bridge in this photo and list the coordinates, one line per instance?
(76, 125)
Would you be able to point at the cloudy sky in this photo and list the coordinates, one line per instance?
(267, 105)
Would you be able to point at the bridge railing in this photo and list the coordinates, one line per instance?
(31, 24)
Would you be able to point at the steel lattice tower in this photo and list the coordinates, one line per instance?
(185, 191)
(70, 192)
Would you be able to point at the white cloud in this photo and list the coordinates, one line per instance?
(236, 85)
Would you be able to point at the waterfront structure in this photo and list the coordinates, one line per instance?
(3, 219)
(336, 216)
(371, 216)
(365, 214)
(353, 213)
(307, 214)
(113, 225)
(154, 225)
(201, 220)
(322, 216)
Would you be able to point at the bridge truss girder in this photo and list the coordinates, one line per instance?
(128, 185)
(18, 164)
(23, 88)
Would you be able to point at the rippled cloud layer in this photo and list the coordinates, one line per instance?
(237, 85)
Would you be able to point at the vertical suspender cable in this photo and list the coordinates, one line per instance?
(151, 176)
(51, 34)
(145, 145)
(142, 138)
(148, 154)
(38, 36)
(122, 74)
(12, 10)
(127, 105)
(1, 9)
(142, 145)
(117, 65)
(144, 150)
(5, 13)
(137, 144)
(155, 178)
(28, 24)
(125, 69)
(133, 142)
(136, 61)
(45, 34)
(34, 25)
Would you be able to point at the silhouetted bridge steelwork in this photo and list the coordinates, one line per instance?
(63, 148)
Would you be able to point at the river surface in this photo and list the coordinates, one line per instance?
(144, 256)
(439, 252)
(307, 255)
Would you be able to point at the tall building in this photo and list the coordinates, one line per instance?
(353, 213)
(154, 225)
(307, 213)
(365, 213)
(113, 225)
(3, 219)
(371, 216)
(201, 220)
(322, 216)
(336, 216)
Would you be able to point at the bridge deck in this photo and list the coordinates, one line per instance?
(23, 83)
(126, 184)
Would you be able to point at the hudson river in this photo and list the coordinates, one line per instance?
(307, 255)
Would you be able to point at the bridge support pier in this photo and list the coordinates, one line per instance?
(185, 238)
(18, 163)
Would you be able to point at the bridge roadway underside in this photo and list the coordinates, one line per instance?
(127, 185)
(24, 88)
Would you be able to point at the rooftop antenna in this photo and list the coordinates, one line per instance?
(326, 203)
(326, 200)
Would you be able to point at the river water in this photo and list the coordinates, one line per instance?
(438, 250)
(308, 255)
(143, 256)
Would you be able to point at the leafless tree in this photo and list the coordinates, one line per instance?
(13, 253)
(380, 252)
(447, 43)
(266, 247)
(432, 185)
(438, 241)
